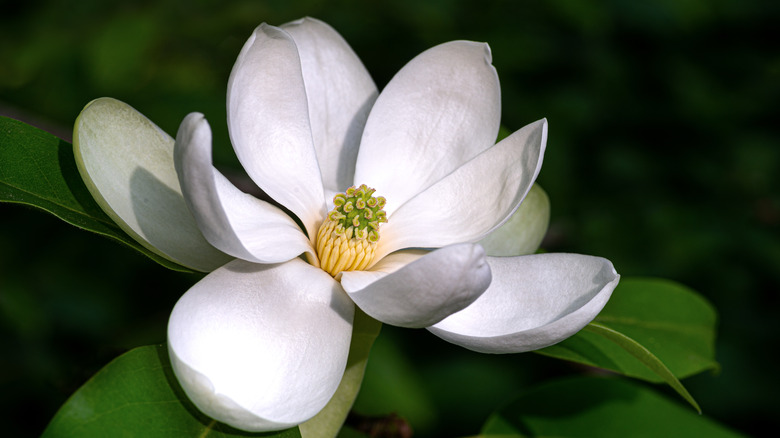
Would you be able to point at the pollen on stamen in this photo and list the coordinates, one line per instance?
(347, 239)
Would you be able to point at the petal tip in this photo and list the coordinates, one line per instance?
(476, 48)
(488, 53)
(303, 21)
(297, 22)
(193, 129)
(99, 101)
(191, 122)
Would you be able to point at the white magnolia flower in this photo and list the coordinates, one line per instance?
(261, 342)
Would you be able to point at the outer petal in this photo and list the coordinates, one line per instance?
(126, 162)
(439, 111)
(426, 290)
(235, 222)
(261, 347)
(268, 120)
(533, 302)
(524, 230)
(340, 93)
(471, 201)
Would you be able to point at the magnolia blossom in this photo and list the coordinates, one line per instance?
(388, 193)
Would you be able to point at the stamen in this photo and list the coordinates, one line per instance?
(348, 237)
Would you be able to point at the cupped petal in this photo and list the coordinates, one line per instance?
(425, 291)
(126, 162)
(235, 222)
(268, 120)
(261, 347)
(439, 111)
(340, 93)
(525, 229)
(471, 201)
(534, 301)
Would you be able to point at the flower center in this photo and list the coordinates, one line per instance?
(347, 238)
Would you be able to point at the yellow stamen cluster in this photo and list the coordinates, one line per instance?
(347, 238)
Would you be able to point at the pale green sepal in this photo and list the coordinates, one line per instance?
(126, 162)
(39, 170)
(525, 229)
(328, 422)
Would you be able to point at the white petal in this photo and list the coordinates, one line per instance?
(524, 230)
(387, 265)
(235, 222)
(534, 301)
(471, 201)
(426, 290)
(261, 347)
(126, 162)
(340, 93)
(330, 420)
(268, 120)
(439, 111)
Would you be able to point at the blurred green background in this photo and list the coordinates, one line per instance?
(662, 156)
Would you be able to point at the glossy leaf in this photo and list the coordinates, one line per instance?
(646, 357)
(671, 321)
(137, 395)
(590, 406)
(38, 169)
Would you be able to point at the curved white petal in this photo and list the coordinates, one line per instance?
(235, 222)
(268, 120)
(534, 301)
(126, 162)
(524, 230)
(471, 201)
(340, 93)
(261, 347)
(426, 290)
(439, 111)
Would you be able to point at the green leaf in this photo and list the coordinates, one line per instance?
(644, 356)
(673, 322)
(603, 407)
(38, 169)
(138, 395)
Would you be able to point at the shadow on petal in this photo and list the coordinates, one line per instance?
(165, 221)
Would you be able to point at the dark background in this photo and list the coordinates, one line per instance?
(662, 157)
